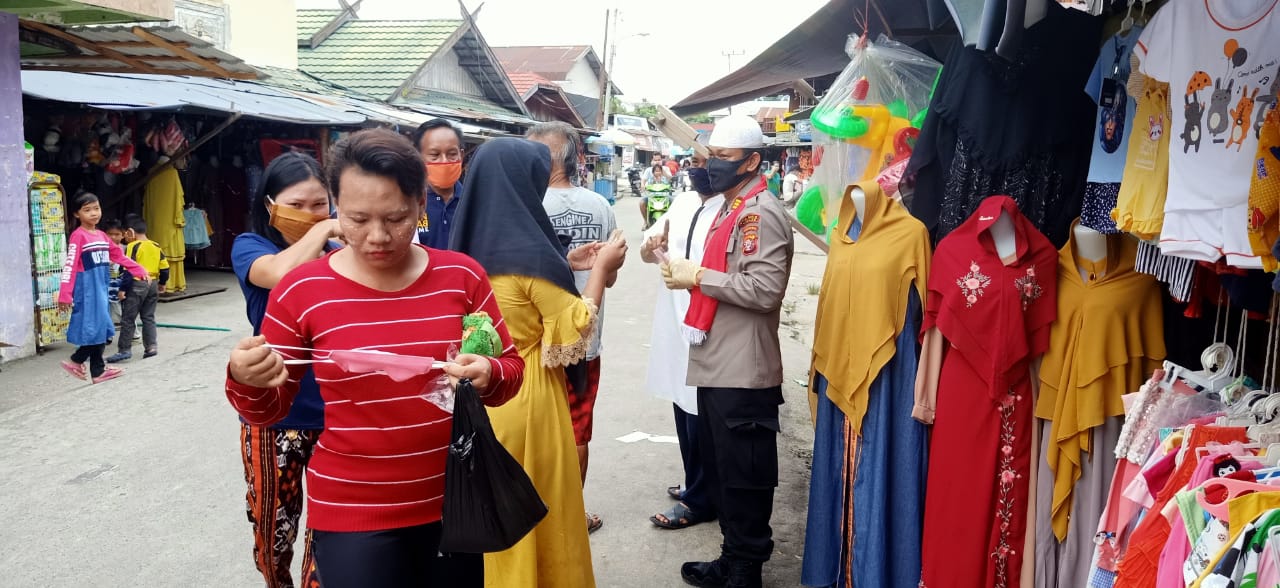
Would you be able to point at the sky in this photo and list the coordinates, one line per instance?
(682, 52)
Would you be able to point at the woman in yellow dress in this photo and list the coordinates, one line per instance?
(501, 223)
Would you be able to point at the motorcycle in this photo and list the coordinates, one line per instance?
(659, 201)
(633, 177)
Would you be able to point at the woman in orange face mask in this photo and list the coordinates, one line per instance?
(289, 225)
(440, 144)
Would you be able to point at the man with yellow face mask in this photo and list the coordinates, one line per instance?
(440, 144)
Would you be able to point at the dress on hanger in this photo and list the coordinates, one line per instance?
(1021, 127)
(866, 496)
(162, 206)
(995, 317)
(195, 233)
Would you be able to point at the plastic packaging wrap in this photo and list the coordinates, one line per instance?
(867, 122)
(440, 391)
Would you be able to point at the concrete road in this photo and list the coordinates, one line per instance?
(137, 481)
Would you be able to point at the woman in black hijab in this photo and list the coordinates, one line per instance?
(501, 223)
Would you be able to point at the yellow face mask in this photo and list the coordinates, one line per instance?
(292, 223)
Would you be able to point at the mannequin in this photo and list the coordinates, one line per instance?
(859, 199)
(1090, 245)
(1003, 234)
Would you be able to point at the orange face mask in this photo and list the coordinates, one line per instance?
(443, 175)
(292, 223)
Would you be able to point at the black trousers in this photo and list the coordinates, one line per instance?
(93, 354)
(407, 557)
(696, 494)
(738, 433)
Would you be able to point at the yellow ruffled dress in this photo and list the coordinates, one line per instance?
(1108, 338)
(551, 328)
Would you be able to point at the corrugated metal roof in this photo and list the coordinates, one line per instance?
(136, 49)
(168, 92)
(469, 106)
(375, 56)
(318, 90)
(549, 61)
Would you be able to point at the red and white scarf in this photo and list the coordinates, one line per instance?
(702, 308)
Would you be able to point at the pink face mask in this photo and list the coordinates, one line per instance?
(398, 367)
(395, 366)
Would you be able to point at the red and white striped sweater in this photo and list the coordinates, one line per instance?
(380, 461)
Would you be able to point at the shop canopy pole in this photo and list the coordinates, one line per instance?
(181, 153)
(684, 135)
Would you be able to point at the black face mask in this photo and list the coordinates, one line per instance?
(701, 181)
(724, 174)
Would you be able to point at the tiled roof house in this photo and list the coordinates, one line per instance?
(441, 66)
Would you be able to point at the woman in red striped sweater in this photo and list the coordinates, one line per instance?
(376, 480)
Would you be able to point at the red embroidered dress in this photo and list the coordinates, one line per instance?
(995, 319)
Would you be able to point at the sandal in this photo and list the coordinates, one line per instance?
(676, 492)
(76, 370)
(594, 522)
(678, 517)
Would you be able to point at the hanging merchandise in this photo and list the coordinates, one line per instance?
(1020, 126)
(866, 499)
(196, 230)
(1264, 192)
(1108, 338)
(862, 124)
(162, 209)
(1140, 202)
(48, 248)
(991, 303)
(1115, 125)
(1220, 58)
(29, 159)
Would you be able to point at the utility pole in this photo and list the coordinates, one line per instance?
(602, 116)
(729, 55)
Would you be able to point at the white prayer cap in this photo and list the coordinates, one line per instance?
(737, 131)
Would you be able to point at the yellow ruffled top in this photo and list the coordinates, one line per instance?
(1108, 338)
(863, 302)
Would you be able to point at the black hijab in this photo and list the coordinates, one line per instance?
(500, 221)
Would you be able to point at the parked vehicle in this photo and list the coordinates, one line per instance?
(633, 177)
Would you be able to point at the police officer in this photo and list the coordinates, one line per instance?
(735, 360)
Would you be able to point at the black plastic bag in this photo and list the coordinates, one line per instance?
(489, 502)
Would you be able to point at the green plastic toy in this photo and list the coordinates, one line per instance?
(811, 212)
(479, 336)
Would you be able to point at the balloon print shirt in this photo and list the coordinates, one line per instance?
(1222, 63)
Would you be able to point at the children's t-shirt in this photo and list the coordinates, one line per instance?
(148, 255)
(1218, 57)
(1116, 108)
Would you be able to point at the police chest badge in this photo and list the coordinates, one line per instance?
(750, 227)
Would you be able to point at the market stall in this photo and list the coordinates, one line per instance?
(1046, 346)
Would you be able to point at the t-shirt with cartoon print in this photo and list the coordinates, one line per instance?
(1221, 59)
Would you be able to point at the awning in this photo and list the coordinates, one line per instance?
(166, 92)
(126, 49)
(617, 137)
(817, 48)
